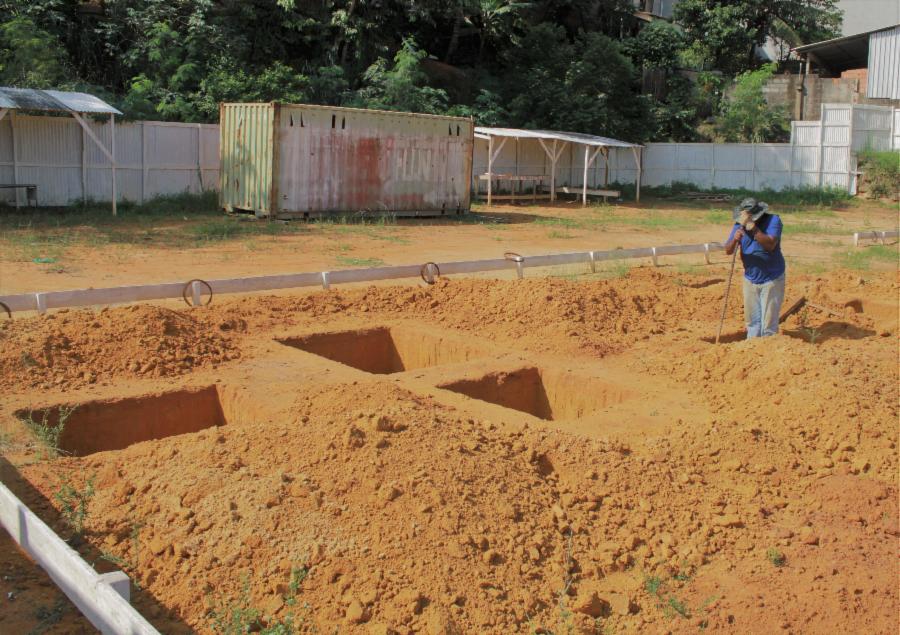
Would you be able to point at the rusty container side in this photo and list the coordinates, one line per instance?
(349, 160)
(246, 157)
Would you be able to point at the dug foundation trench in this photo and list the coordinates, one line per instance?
(476, 377)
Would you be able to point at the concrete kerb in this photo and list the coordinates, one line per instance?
(104, 599)
(875, 235)
(43, 301)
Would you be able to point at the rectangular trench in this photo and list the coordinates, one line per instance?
(548, 394)
(114, 424)
(385, 350)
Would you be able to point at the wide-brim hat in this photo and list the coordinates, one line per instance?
(750, 205)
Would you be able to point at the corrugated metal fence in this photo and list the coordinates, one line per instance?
(884, 64)
(153, 158)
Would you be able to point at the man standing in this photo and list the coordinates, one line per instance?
(759, 235)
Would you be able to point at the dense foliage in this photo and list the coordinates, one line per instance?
(579, 65)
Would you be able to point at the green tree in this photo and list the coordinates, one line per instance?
(724, 34)
(657, 45)
(402, 86)
(587, 85)
(29, 55)
(745, 114)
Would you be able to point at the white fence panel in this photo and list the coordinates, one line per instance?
(152, 158)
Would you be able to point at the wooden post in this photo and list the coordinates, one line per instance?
(112, 143)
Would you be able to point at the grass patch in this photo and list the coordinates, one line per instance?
(346, 261)
(559, 234)
(862, 259)
(73, 503)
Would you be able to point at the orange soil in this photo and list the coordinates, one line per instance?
(415, 509)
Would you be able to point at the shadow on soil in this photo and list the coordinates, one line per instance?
(828, 330)
(148, 606)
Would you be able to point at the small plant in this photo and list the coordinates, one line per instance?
(812, 333)
(47, 434)
(28, 360)
(676, 606)
(231, 617)
(73, 503)
(652, 585)
(5, 442)
(776, 557)
(130, 564)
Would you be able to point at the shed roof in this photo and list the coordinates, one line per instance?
(52, 100)
(572, 137)
(842, 53)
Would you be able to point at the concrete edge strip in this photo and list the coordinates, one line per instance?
(102, 598)
(874, 235)
(42, 301)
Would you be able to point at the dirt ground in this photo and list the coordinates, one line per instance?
(47, 256)
(557, 454)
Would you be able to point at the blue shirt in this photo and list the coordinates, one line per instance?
(761, 266)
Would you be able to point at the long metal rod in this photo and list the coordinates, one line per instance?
(727, 293)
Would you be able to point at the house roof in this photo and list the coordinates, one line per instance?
(842, 53)
(52, 100)
(572, 137)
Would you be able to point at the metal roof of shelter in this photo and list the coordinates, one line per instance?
(571, 137)
(53, 100)
(842, 53)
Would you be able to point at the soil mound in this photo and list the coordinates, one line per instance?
(74, 348)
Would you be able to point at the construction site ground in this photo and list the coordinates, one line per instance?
(570, 452)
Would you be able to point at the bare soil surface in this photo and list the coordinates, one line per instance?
(478, 456)
(45, 257)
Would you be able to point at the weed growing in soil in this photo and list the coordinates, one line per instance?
(776, 557)
(675, 606)
(49, 616)
(5, 442)
(131, 564)
(229, 617)
(47, 434)
(812, 333)
(74, 503)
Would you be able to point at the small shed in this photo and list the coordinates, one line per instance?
(302, 161)
(75, 104)
(553, 143)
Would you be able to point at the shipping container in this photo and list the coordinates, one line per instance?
(303, 161)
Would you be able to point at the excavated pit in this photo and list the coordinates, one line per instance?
(546, 394)
(384, 350)
(96, 426)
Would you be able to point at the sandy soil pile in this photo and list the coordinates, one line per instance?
(408, 517)
(73, 348)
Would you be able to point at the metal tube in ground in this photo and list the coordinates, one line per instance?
(727, 293)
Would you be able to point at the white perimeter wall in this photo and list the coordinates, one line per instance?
(166, 158)
(820, 154)
(153, 158)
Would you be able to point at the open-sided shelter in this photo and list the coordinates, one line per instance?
(75, 104)
(553, 143)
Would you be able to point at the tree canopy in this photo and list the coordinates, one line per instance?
(566, 64)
